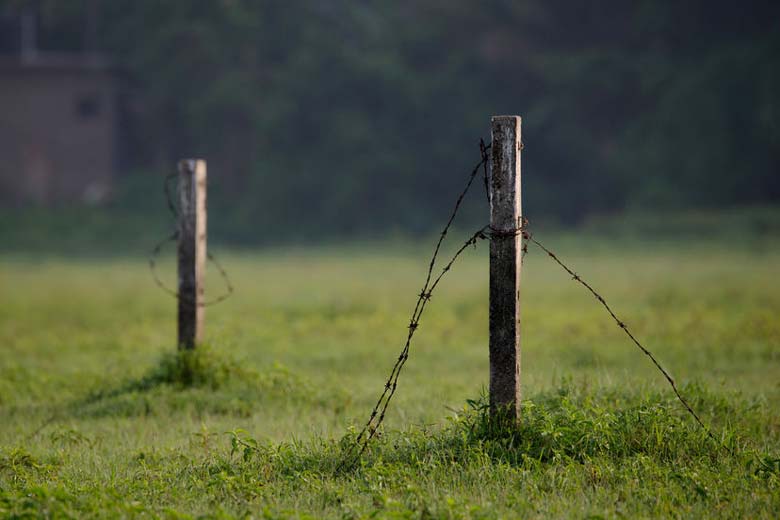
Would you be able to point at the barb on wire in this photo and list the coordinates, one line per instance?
(223, 274)
(485, 168)
(153, 263)
(622, 325)
(377, 416)
(168, 197)
(229, 289)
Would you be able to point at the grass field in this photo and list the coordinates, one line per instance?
(96, 419)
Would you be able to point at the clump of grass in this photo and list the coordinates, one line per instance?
(18, 464)
(200, 367)
(205, 367)
(572, 424)
(576, 425)
(204, 381)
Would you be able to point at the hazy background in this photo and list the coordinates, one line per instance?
(340, 120)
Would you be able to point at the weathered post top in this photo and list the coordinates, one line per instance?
(505, 257)
(192, 250)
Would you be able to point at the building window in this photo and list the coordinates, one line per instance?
(88, 106)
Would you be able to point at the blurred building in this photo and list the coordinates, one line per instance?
(58, 120)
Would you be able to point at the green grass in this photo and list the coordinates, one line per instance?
(100, 418)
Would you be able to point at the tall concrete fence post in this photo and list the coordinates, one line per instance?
(505, 261)
(192, 250)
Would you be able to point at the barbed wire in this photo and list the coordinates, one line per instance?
(153, 263)
(375, 420)
(369, 430)
(168, 197)
(527, 235)
(173, 208)
(483, 148)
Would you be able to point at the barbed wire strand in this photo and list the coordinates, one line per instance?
(168, 197)
(369, 430)
(153, 263)
(229, 289)
(377, 416)
(483, 148)
(527, 235)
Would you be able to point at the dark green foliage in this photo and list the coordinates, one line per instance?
(352, 118)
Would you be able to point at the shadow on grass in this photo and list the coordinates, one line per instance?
(201, 381)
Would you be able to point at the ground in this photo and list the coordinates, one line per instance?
(99, 417)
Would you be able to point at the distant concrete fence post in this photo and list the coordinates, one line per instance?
(505, 262)
(192, 251)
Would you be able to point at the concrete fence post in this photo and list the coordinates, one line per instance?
(505, 261)
(192, 250)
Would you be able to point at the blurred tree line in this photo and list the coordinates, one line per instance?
(336, 117)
